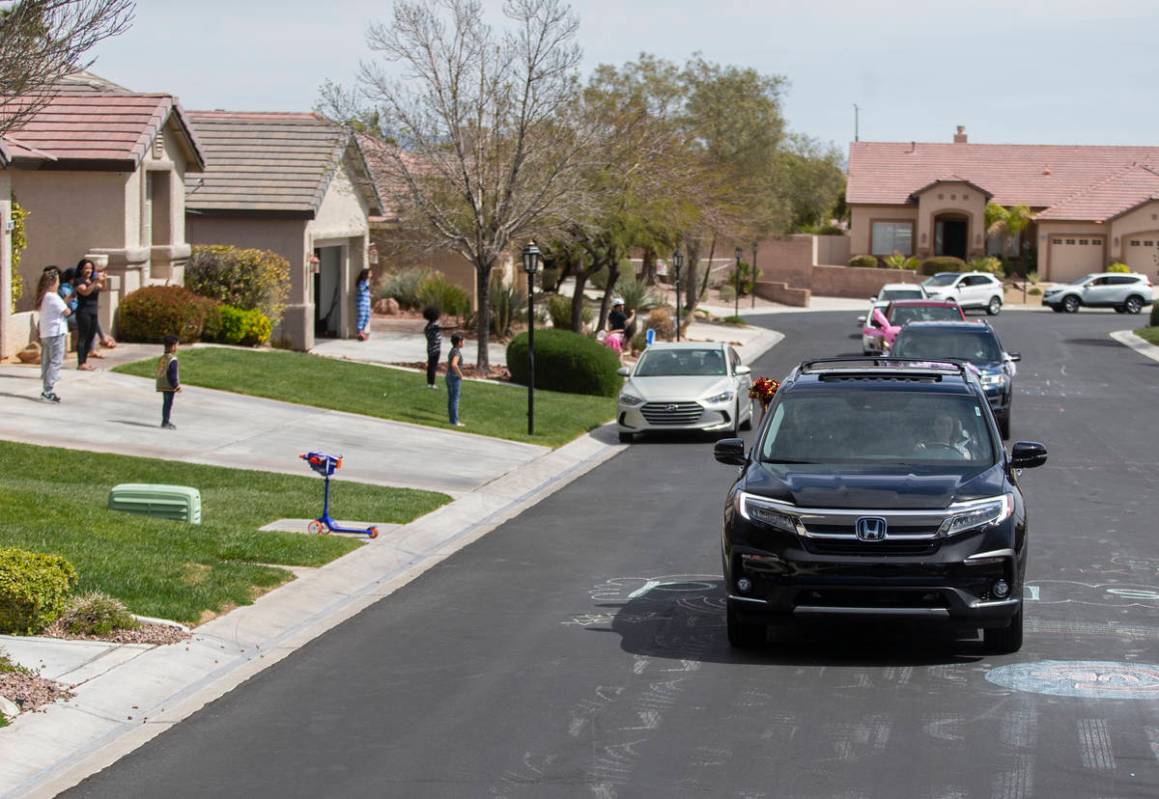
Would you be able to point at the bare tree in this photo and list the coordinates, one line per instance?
(489, 125)
(42, 41)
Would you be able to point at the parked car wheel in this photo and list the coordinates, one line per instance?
(1120, 309)
(1004, 641)
(1071, 304)
(743, 635)
(627, 438)
(1056, 308)
(1133, 305)
(995, 306)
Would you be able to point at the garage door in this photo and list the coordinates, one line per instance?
(1075, 256)
(1141, 253)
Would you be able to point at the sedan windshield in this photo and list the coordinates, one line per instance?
(878, 427)
(941, 280)
(901, 294)
(976, 346)
(932, 313)
(677, 363)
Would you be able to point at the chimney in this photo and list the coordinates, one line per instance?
(960, 136)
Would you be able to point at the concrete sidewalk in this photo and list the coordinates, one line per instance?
(107, 412)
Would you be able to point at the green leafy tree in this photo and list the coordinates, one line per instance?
(1008, 224)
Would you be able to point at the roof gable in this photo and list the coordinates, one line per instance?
(1120, 192)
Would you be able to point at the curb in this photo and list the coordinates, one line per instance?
(1128, 339)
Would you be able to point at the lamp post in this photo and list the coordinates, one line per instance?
(531, 266)
(753, 269)
(736, 294)
(677, 264)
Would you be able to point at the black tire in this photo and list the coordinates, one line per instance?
(1133, 305)
(994, 307)
(1071, 304)
(744, 635)
(1056, 308)
(1120, 309)
(1004, 641)
(1004, 426)
(627, 438)
(747, 424)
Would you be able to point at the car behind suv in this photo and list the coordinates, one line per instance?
(877, 488)
(968, 289)
(1125, 292)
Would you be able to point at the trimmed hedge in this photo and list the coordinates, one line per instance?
(1118, 266)
(864, 261)
(255, 280)
(231, 325)
(943, 263)
(566, 361)
(33, 590)
(150, 314)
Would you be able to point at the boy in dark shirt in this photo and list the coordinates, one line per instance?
(168, 381)
(434, 334)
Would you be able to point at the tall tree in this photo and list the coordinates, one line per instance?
(43, 41)
(489, 125)
(1008, 224)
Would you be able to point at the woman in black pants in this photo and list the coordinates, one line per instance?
(88, 284)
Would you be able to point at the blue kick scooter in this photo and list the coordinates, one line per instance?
(326, 465)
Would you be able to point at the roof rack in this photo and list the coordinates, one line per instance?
(885, 365)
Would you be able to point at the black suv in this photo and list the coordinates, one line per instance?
(877, 487)
(974, 342)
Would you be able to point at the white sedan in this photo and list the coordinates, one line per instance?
(686, 386)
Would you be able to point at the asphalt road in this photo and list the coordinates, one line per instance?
(579, 650)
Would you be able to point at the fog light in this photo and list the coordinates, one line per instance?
(744, 585)
(1001, 589)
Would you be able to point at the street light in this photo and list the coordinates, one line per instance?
(531, 266)
(736, 294)
(753, 269)
(677, 263)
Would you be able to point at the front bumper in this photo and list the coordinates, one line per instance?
(677, 415)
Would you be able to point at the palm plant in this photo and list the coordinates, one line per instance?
(899, 261)
(1007, 224)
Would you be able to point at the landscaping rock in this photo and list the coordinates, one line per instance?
(392, 308)
(30, 691)
(30, 354)
(8, 708)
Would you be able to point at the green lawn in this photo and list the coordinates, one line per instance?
(53, 500)
(1149, 334)
(486, 408)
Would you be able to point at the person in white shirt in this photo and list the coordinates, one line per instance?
(53, 331)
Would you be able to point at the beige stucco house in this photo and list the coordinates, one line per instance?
(101, 172)
(296, 184)
(1092, 205)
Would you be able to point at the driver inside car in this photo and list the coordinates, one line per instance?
(948, 436)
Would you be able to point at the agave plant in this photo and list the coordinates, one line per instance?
(899, 261)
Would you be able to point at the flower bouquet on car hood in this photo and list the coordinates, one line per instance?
(763, 390)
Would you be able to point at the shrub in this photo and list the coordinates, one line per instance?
(599, 278)
(255, 280)
(735, 321)
(435, 289)
(1032, 277)
(33, 590)
(634, 292)
(1118, 266)
(559, 309)
(727, 293)
(403, 287)
(508, 303)
(943, 263)
(743, 272)
(863, 260)
(989, 264)
(663, 321)
(899, 261)
(549, 278)
(1035, 291)
(229, 325)
(96, 614)
(154, 312)
(566, 361)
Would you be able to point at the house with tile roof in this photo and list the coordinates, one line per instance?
(298, 185)
(101, 172)
(1092, 205)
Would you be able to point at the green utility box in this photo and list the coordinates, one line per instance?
(178, 503)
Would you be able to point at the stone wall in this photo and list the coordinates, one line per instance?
(782, 293)
(856, 281)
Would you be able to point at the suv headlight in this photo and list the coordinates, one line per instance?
(630, 399)
(977, 513)
(990, 381)
(768, 512)
(722, 397)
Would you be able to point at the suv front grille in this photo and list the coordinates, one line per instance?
(821, 546)
(672, 413)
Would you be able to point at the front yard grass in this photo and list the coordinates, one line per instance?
(486, 408)
(1149, 334)
(53, 500)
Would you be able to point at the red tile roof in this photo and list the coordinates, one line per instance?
(117, 128)
(1115, 194)
(1037, 175)
(13, 151)
(380, 157)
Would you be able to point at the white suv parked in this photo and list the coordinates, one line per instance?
(1125, 292)
(968, 289)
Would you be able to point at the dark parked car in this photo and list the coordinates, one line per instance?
(877, 487)
(975, 342)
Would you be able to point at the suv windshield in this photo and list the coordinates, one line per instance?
(933, 313)
(901, 294)
(976, 346)
(941, 280)
(896, 427)
(676, 363)
(1079, 281)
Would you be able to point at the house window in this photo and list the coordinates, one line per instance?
(1057, 241)
(1070, 241)
(891, 237)
(1148, 244)
(1135, 243)
(1083, 242)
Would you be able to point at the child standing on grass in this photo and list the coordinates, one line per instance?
(434, 335)
(455, 378)
(53, 326)
(168, 381)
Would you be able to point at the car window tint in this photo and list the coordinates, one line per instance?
(901, 294)
(976, 346)
(678, 363)
(902, 427)
(734, 357)
(942, 280)
(935, 313)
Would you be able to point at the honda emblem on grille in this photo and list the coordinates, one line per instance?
(870, 528)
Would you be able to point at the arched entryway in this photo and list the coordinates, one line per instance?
(951, 234)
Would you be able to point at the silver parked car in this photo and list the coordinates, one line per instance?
(686, 386)
(1125, 292)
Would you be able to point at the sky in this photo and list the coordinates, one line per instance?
(1044, 71)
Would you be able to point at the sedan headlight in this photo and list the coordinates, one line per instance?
(977, 513)
(722, 397)
(774, 514)
(630, 399)
(997, 379)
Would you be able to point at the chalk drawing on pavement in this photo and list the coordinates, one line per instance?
(1084, 679)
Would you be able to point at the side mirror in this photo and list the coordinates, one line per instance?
(730, 451)
(873, 299)
(1027, 455)
(1014, 356)
(623, 371)
(744, 370)
(861, 320)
